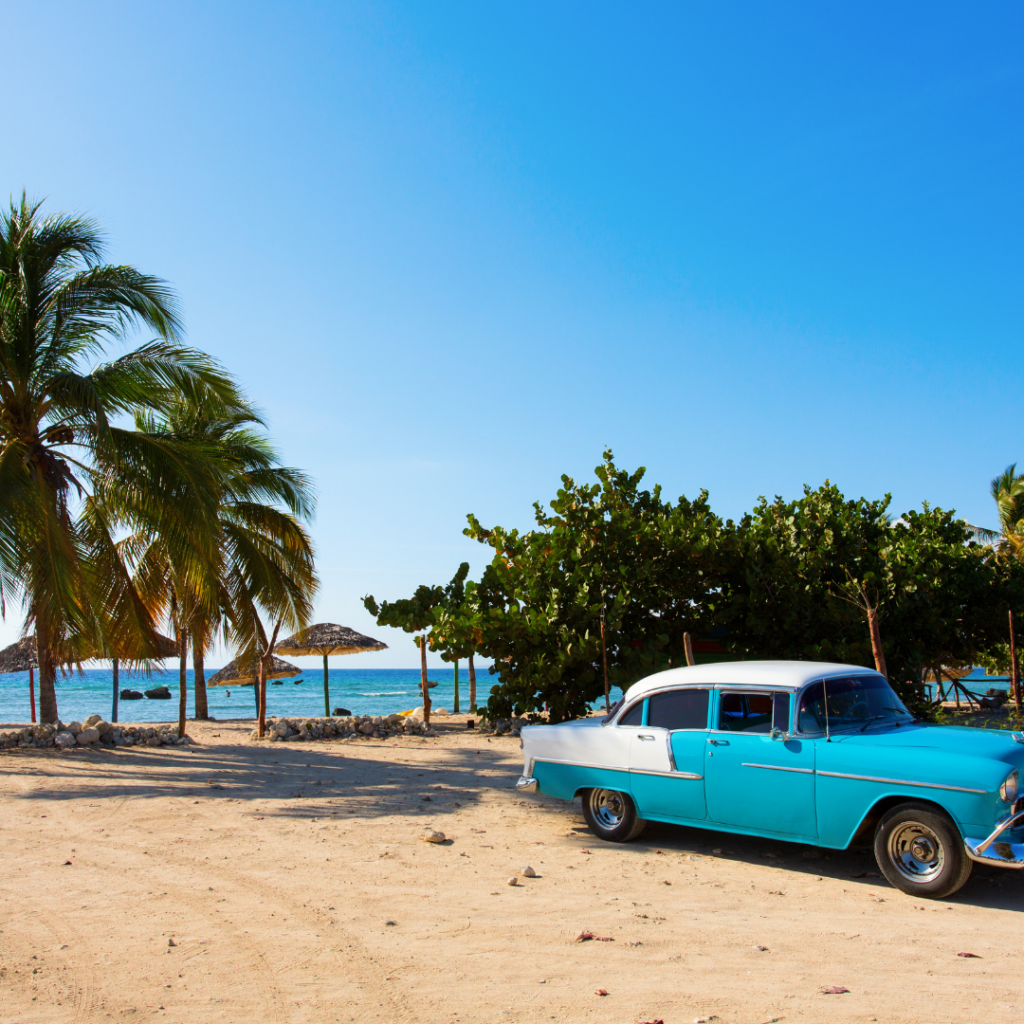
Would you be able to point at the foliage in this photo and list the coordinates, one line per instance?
(60, 306)
(791, 580)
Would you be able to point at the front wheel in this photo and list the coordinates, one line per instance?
(611, 815)
(920, 851)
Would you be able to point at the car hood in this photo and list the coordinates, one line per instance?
(953, 739)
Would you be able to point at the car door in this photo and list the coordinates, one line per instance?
(756, 775)
(666, 763)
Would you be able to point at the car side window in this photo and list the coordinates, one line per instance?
(746, 712)
(679, 709)
(634, 716)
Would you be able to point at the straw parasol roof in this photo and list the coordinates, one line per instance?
(326, 638)
(20, 656)
(245, 672)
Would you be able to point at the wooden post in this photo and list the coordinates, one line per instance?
(604, 662)
(182, 680)
(472, 685)
(687, 650)
(327, 692)
(32, 691)
(455, 706)
(1014, 668)
(117, 682)
(422, 641)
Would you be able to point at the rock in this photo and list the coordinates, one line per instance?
(87, 736)
(131, 695)
(432, 836)
(75, 727)
(104, 727)
(65, 740)
(153, 741)
(92, 720)
(158, 693)
(366, 728)
(528, 872)
(513, 881)
(390, 924)
(341, 712)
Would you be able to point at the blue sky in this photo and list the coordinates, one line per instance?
(455, 250)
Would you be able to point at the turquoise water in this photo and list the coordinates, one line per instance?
(361, 691)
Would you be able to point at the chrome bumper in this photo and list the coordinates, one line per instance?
(992, 851)
(526, 784)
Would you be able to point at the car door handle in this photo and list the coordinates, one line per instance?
(645, 736)
(719, 743)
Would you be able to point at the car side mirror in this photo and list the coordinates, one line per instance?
(778, 734)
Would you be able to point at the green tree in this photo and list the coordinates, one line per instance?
(60, 307)
(244, 549)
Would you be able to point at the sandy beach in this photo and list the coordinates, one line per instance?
(232, 881)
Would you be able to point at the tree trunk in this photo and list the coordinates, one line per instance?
(182, 679)
(455, 699)
(199, 672)
(1014, 667)
(472, 685)
(423, 678)
(47, 675)
(261, 701)
(116, 675)
(687, 650)
(604, 663)
(876, 641)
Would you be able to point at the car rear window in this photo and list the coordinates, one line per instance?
(746, 712)
(679, 709)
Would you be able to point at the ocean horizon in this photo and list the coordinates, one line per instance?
(361, 691)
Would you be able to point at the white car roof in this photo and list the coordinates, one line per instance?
(771, 675)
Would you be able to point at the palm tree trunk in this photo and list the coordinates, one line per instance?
(423, 678)
(199, 672)
(472, 685)
(876, 641)
(47, 675)
(265, 660)
(182, 638)
(32, 692)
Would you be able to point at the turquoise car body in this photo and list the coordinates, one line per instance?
(822, 788)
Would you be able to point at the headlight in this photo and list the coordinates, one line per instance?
(1008, 790)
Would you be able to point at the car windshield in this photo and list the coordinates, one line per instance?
(854, 702)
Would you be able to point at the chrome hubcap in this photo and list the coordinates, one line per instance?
(916, 852)
(608, 807)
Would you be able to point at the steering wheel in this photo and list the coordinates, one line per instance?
(861, 704)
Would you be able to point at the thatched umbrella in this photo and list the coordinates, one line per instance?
(246, 672)
(21, 657)
(325, 639)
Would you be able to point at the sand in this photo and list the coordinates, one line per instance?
(287, 882)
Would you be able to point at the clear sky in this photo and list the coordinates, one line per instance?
(454, 250)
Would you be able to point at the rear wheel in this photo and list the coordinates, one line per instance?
(920, 851)
(611, 815)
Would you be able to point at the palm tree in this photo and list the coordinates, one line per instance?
(251, 553)
(1007, 492)
(60, 306)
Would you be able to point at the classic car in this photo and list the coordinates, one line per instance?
(813, 753)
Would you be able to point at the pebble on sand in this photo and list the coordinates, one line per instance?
(432, 836)
(513, 881)
(528, 872)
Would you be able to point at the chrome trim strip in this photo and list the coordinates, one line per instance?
(671, 756)
(901, 782)
(779, 768)
(668, 775)
(582, 764)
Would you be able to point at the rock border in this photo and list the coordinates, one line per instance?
(94, 732)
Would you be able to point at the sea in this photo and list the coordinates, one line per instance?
(360, 691)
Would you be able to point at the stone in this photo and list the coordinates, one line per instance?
(432, 836)
(153, 741)
(513, 881)
(528, 872)
(87, 736)
(75, 727)
(92, 720)
(366, 728)
(104, 727)
(65, 740)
